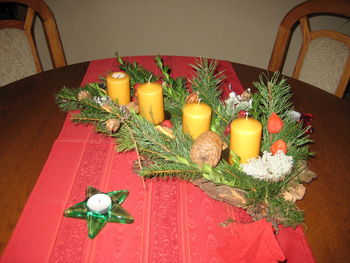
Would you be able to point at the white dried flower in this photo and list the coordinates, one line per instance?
(294, 115)
(269, 167)
(238, 102)
(102, 100)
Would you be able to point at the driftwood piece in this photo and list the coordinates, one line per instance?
(223, 193)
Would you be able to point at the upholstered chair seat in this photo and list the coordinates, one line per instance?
(19, 57)
(16, 57)
(324, 63)
(324, 56)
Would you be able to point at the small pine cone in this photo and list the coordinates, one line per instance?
(207, 149)
(84, 94)
(112, 125)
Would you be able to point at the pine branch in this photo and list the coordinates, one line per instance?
(207, 84)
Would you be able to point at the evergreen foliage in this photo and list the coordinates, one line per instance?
(159, 155)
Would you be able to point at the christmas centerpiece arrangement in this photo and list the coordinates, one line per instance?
(249, 150)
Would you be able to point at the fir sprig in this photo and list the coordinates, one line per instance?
(274, 95)
(207, 84)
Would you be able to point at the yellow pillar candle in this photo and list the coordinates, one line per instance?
(245, 138)
(118, 87)
(196, 118)
(150, 98)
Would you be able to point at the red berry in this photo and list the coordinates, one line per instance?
(242, 114)
(167, 123)
(227, 129)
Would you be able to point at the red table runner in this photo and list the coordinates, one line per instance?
(174, 220)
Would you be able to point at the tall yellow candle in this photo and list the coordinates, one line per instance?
(245, 138)
(118, 87)
(150, 98)
(196, 118)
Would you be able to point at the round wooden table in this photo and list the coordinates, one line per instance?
(30, 122)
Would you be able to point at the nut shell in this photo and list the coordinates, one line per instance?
(192, 98)
(83, 94)
(112, 125)
(207, 149)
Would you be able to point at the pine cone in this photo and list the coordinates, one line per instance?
(84, 94)
(207, 149)
(112, 125)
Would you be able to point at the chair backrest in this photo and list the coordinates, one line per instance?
(18, 51)
(323, 59)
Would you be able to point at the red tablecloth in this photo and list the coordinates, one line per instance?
(174, 220)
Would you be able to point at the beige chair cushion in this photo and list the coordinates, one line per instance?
(324, 63)
(16, 58)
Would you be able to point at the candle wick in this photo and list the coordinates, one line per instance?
(199, 101)
(246, 115)
(149, 79)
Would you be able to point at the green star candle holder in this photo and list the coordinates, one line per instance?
(100, 208)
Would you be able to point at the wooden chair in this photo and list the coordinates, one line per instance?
(18, 51)
(323, 59)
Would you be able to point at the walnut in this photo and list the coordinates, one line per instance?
(207, 149)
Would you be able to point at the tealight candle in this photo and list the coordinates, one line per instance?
(99, 203)
(196, 118)
(118, 87)
(245, 138)
(151, 105)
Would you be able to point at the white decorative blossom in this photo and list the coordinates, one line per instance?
(294, 115)
(102, 100)
(240, 102)
(269, 167)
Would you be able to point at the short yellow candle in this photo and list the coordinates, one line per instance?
(118, 87)
(150, 98)
(196, 118)
(245, 138)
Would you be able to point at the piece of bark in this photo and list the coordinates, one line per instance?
(307, 175)
(294, 193)
(223, 193)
